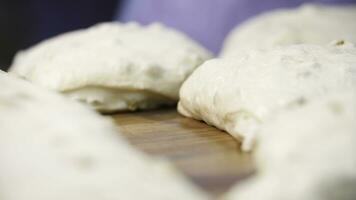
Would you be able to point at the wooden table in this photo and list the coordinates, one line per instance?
(209, 157)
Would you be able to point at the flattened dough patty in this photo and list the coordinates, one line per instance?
(238, 94)
(310, 23)
(113, 66)
(52, 148)
(306, 153)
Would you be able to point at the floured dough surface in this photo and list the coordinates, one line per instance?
(306, 153)
(310, 23)
(144, 62)
(238, 94)
(53, 148)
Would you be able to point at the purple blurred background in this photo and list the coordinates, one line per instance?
(207, 21)
(26, 22)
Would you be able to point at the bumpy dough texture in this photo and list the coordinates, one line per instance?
(54, 149)
(145, 63)
(313, 24)
(306, 153)
(238, 94)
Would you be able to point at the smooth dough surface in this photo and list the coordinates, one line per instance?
(113, 66)
(310, 23)
(52, 148)
(306, 153)
(238, 94)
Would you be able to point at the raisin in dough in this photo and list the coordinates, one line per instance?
(113, 66)
(53, 149)
(238, 94)
(310, 23)
(306, 153)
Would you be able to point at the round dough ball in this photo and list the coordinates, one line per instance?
(113, 66)
(310, 23)
(238, 94)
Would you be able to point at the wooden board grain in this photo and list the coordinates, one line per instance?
(209, 157)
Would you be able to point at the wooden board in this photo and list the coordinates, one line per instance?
(209, 157)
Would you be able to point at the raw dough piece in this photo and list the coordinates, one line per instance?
(54, 149)
(238, 94)
(306, 153)
(310, 23)
(114, 66)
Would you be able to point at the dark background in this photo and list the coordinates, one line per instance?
(26, 22)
